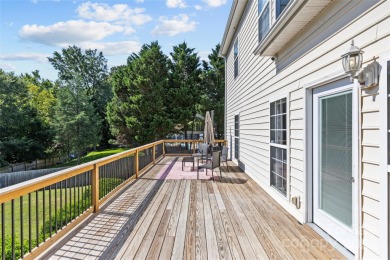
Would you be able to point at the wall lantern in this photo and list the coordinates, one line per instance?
(352, 64)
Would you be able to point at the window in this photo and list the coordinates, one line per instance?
(388, 112)
(236, 59)
(280, 6)
(264, 9)
(236, 136)
(278, 145)
(263, 19)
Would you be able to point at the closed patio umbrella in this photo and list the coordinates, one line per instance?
(208, 129)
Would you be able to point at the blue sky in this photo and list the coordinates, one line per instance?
(32, 30)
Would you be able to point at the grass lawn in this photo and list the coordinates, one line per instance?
(91, 157)
(34, 208)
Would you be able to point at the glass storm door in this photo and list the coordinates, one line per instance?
(334, 168)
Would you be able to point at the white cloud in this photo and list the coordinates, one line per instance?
(7, 66)
(35, 56)
(178, 24)
(69, 32)
(118, 12)
(113, 48)
(176, 4)
(204, 55)
(139, 1)
(198, 7)
(215, 3)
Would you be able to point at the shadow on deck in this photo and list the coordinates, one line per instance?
(169, 214)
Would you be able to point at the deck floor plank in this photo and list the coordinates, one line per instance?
(189, 246)
(178, 246)
(167, 214)
(200, 233)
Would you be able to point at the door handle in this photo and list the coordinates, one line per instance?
(352, 179)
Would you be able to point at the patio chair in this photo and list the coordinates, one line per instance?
(211, 164)
(224, 156)
(202, 147)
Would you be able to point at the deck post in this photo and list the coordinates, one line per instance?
(136, 164)
(193, 147)
(163, 145)
(95, 188)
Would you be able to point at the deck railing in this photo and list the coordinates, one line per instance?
(37, 213)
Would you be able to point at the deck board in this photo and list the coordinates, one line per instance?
(164, 215)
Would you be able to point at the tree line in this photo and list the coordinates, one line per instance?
(146, 99)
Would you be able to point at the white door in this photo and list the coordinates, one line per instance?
(334, 162)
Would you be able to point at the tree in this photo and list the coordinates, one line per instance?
(213, 80)
(89, 69)
(76, 123)
(23, 135)
(138, 110)
(41, 95)
(184, 85)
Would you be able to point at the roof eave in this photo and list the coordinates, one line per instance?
(236, 12)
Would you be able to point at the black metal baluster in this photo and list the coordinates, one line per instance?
(21, 228)
(74, 197)
(29, 223)
(66, 201)
(78, 194)
(50, 218)
(37, 217)
(2, 231)
(13, 227)
(44, 214)
(55, 208)
(82, 192)
(70, 201)
(60, 205)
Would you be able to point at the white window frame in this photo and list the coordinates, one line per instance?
(274, 12)
(235, 59)
(286, 146)
(266, 5)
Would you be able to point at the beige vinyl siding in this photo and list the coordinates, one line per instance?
(312, 54)
(370, 148)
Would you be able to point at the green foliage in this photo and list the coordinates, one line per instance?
(138, 110)
(76, 123)
(23, 134)
(184, 85)
(213, 80)
(89, 69)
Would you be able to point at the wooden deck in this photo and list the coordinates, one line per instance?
(169, 214)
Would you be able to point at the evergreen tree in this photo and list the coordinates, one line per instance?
(138, 111)
(213, 81)
(184, 86)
